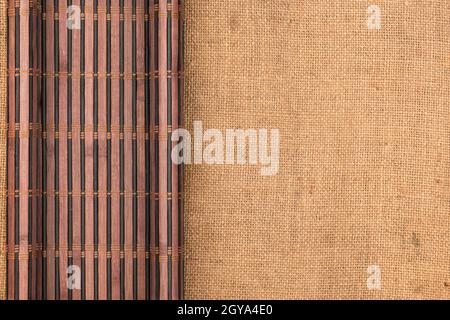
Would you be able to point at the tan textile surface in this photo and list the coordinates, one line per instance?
(364, 176)
(3, 133)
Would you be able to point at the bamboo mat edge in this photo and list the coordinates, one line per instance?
(3, 125)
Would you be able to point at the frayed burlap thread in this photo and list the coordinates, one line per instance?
(364, 174)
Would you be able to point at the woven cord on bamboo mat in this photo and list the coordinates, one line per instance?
(94, 199)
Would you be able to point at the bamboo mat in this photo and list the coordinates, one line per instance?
(364, 168)
(3, 139)
(92, 188)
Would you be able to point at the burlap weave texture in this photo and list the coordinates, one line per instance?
(364, 155)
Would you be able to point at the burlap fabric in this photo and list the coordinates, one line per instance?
(364, 156)
(3, 137)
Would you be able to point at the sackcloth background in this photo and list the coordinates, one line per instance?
(364, 155)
